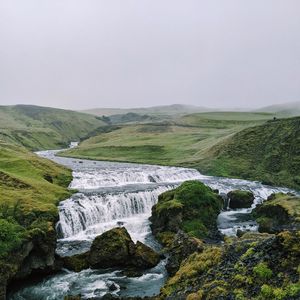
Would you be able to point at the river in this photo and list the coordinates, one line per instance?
(121, 194)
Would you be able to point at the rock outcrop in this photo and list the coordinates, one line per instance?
(279, 212)
(192, 207)
(181, 247)
(240, 199)
(35, 256)
(182, 217)
(256, 266)
(114, 249)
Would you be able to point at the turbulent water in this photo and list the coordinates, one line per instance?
(122, 194)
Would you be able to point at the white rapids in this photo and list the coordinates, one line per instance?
(122, 194)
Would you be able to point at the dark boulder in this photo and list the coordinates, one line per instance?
(240, 199)
(144, 257)
(114, 249)
(76, 262)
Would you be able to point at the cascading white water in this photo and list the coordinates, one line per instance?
(107, 177)
(82, 211)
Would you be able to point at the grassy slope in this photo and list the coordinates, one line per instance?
(180, 142)
(44, 128)
(269, 152)
(30, 188)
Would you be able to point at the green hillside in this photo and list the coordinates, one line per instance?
(30, 189)
(269, 152)
(42, 127)
(182, 141)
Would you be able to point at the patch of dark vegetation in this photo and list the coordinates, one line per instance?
(100, 130)
(11, 182)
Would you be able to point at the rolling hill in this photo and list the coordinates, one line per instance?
(269, 152)
(166, 110)
(42, 127)
(181, 141)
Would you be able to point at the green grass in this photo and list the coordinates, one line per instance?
(269, 153)
(179, 142)
(44, 128)
(30, 189)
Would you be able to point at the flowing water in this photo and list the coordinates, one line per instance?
(122, 194)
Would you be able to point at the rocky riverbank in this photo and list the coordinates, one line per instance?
(252, 266)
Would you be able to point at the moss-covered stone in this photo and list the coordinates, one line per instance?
(279, 212)
(144, 256)
(192, 207)
(76, 262)
(255, 266)
(181, 247)
(114, 249)
(240, 199)
(110, 249)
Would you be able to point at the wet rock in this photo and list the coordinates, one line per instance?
(240, 199)
(114, 249)
(109, 297)
(76, 262)
(132, 272)
(112, 287)
(111, 249)
(144, 257)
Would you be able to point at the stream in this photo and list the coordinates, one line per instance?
(114, 194)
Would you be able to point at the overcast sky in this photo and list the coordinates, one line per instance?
(125, 53)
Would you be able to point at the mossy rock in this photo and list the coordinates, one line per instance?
(182, 246)
(240, 199)
(256, 266)
(144, 256)
(76, 262)
(192, 207)
(279, 212)
(112, 248)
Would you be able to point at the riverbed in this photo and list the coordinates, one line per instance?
(114, 194)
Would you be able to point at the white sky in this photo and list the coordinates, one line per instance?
(124, 53)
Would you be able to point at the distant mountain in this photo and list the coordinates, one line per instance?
(166, 110)
(38, 127)
(285, 109)
(268, 152)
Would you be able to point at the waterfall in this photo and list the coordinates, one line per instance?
(107, 177)
(82, 211)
